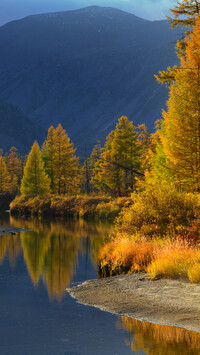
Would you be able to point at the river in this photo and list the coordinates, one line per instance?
(38, 316)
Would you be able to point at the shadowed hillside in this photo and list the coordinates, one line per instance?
(84, 69)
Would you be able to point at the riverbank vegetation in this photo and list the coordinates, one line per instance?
(150, 181)
(159, 232)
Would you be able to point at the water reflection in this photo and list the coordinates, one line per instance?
(51, 249)
(158, 339)
(10, 245)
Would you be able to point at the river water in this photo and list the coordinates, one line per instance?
(38, 316)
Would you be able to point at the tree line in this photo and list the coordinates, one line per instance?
(130, 153)
(55, 169)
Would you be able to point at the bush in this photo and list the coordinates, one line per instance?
(159, 210)
(111, 209)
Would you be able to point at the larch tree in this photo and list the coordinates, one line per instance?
(120, 159)
(184, 14)
(15, 168)
(180, 130)
(48, 156)
(88, 169)
(5, 184)
(35, 181)
(66, 164)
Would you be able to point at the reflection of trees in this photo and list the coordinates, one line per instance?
(35, 247)
(158, 339)
(51, 251)
(59, 263)
(12, 246)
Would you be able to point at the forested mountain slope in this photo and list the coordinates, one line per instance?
(84, 69)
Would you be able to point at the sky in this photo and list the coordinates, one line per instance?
(148, 9)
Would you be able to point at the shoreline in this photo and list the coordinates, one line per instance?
(11, 230)
(165, 302)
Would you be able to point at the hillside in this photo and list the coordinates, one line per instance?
(16, 129)
(85, 68)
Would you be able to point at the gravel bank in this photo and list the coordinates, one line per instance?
(166, 301)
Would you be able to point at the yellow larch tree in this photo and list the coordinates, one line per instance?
(5, 184)
(35, 181)
(180, 131)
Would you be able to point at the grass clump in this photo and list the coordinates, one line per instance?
(124, 255)
(194, 272)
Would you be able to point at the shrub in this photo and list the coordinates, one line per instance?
(111, 209)
(159, 210)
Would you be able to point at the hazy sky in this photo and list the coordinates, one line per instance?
(149, 9)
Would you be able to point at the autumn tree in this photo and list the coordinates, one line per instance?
(88, 169)
(184, 14)
(5, 184)
(48, 156)
(15, 168)
(35, 181)
(120, 160)
(61, 164)
(180, 130)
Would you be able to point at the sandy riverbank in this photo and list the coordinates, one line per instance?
(167, 302)
(10, 230)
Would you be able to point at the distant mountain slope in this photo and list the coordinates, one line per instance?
(16, 129)
(85, 68)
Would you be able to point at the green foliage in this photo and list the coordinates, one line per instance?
(35, 181)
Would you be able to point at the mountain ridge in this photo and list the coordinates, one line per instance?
(85, 71)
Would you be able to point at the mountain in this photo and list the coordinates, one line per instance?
(85, 68)
(16, 129)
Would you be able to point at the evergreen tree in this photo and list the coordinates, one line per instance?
(5, 185)
(180, 130)
(35, 181)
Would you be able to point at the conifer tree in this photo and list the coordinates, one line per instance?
(5, 185)
(14, 166)
(121, 155)
(88, 169)
(66, 167)
(48, 156)
(184, 14)
(180, 131)
(35, 181)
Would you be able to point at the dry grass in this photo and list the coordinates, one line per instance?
(161, 258)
